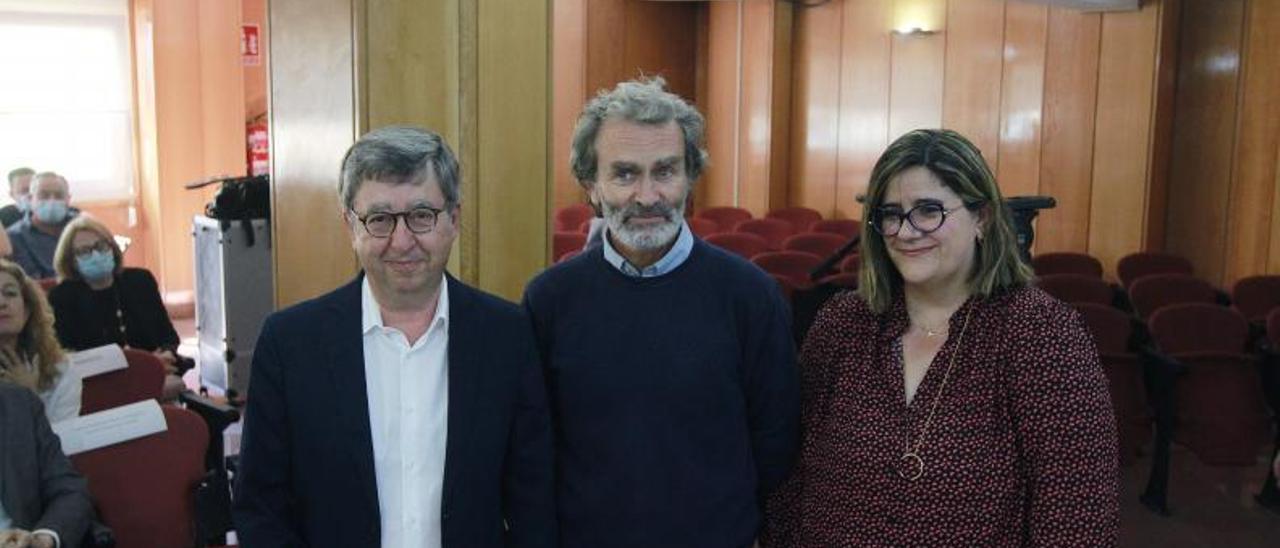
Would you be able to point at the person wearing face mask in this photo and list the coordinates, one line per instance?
(35, 237)
(100, 301)
(29, 352)
(20, 191)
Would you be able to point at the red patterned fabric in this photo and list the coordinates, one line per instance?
(570, 218)
(1076, 288)
(1256, 296)
(1048, 264)
(817, 243)
(1136, 265)
(1022, 450)
(801, 218)
(724, 217)
(844, 227)
(143, 489)
(143, 379)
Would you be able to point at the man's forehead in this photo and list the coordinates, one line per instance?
(48, 184)
(423, 190)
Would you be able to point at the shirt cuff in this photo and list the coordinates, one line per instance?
(57, 541)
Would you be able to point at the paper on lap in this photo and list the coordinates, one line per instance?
(115, 425)
(99, 360)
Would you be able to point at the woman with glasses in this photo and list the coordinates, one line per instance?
(948, 401)
(100, 301)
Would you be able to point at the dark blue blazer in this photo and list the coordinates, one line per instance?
(306, 473)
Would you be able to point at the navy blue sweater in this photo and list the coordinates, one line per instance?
(675, 399)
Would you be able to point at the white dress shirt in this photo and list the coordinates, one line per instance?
(408, 388)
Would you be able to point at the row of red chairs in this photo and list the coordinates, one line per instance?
(712, 220)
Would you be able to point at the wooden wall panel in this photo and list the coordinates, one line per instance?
(569, 92)
(915, 82)
(724, 70)
(864, 101)
(1253, 229)
(1203, 142)
(312, 125)
(755, 107)
(1017, 165)
(975, 44)
(1122, 133)
(606, 46)
(815, 108)
(512, 166)
(660, 40)
(1070, 98)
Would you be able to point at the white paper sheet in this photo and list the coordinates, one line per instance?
(115, 425)
(96, 361)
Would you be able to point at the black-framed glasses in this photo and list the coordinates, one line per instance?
(101, 246)
(419, 220)
(925, 218)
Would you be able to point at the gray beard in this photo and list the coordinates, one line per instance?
(643, 239)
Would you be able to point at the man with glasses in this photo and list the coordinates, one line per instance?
(405, 408)
(670, 361)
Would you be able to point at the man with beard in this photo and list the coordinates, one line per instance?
(669, 362)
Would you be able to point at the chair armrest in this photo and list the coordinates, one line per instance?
(219, 416)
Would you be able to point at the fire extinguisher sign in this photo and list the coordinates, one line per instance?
(250, 45)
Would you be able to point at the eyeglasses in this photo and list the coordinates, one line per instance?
(101, 246)
(925, 218)
(419, 220)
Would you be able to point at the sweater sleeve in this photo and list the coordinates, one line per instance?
(772, 391)
(1067, 434)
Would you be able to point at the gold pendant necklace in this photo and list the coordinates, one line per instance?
(910, 465)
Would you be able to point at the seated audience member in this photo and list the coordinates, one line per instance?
(35, 237)
(20, 191)
(99, 301)
(45, 503)
(29, 352)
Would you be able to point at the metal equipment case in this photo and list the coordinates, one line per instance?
(234, 295)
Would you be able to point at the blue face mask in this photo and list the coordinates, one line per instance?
(96, 266)
(24, 204)
(50, 211)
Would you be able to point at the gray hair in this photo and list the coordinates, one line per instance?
(399, 155)
(645, 101)
(20, 172)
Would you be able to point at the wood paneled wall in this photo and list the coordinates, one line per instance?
(477, 72)
(1224, 187)
(1061, 102)
(187, 58)
(598, 43)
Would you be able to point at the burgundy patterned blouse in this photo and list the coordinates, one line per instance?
(1021, 452)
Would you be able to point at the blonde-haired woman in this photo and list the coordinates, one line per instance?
(29, 352)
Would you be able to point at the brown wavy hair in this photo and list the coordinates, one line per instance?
(37, 341)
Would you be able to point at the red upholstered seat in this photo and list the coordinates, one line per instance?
(818, 243)
(801, 218)
(846, 280)
(1150, 293)
(1256, 296)
(1047, 264)
(852, 263)
(142, 380)
(1111, 329)
(793, 265)
(844, 227)
(1136, 265)
(703, 227)
(143, 488)
(725, 217)
(1075, 288)
(563, 243)
(741, 243)
(1220, 410)
(570, 218)
(772, 230)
